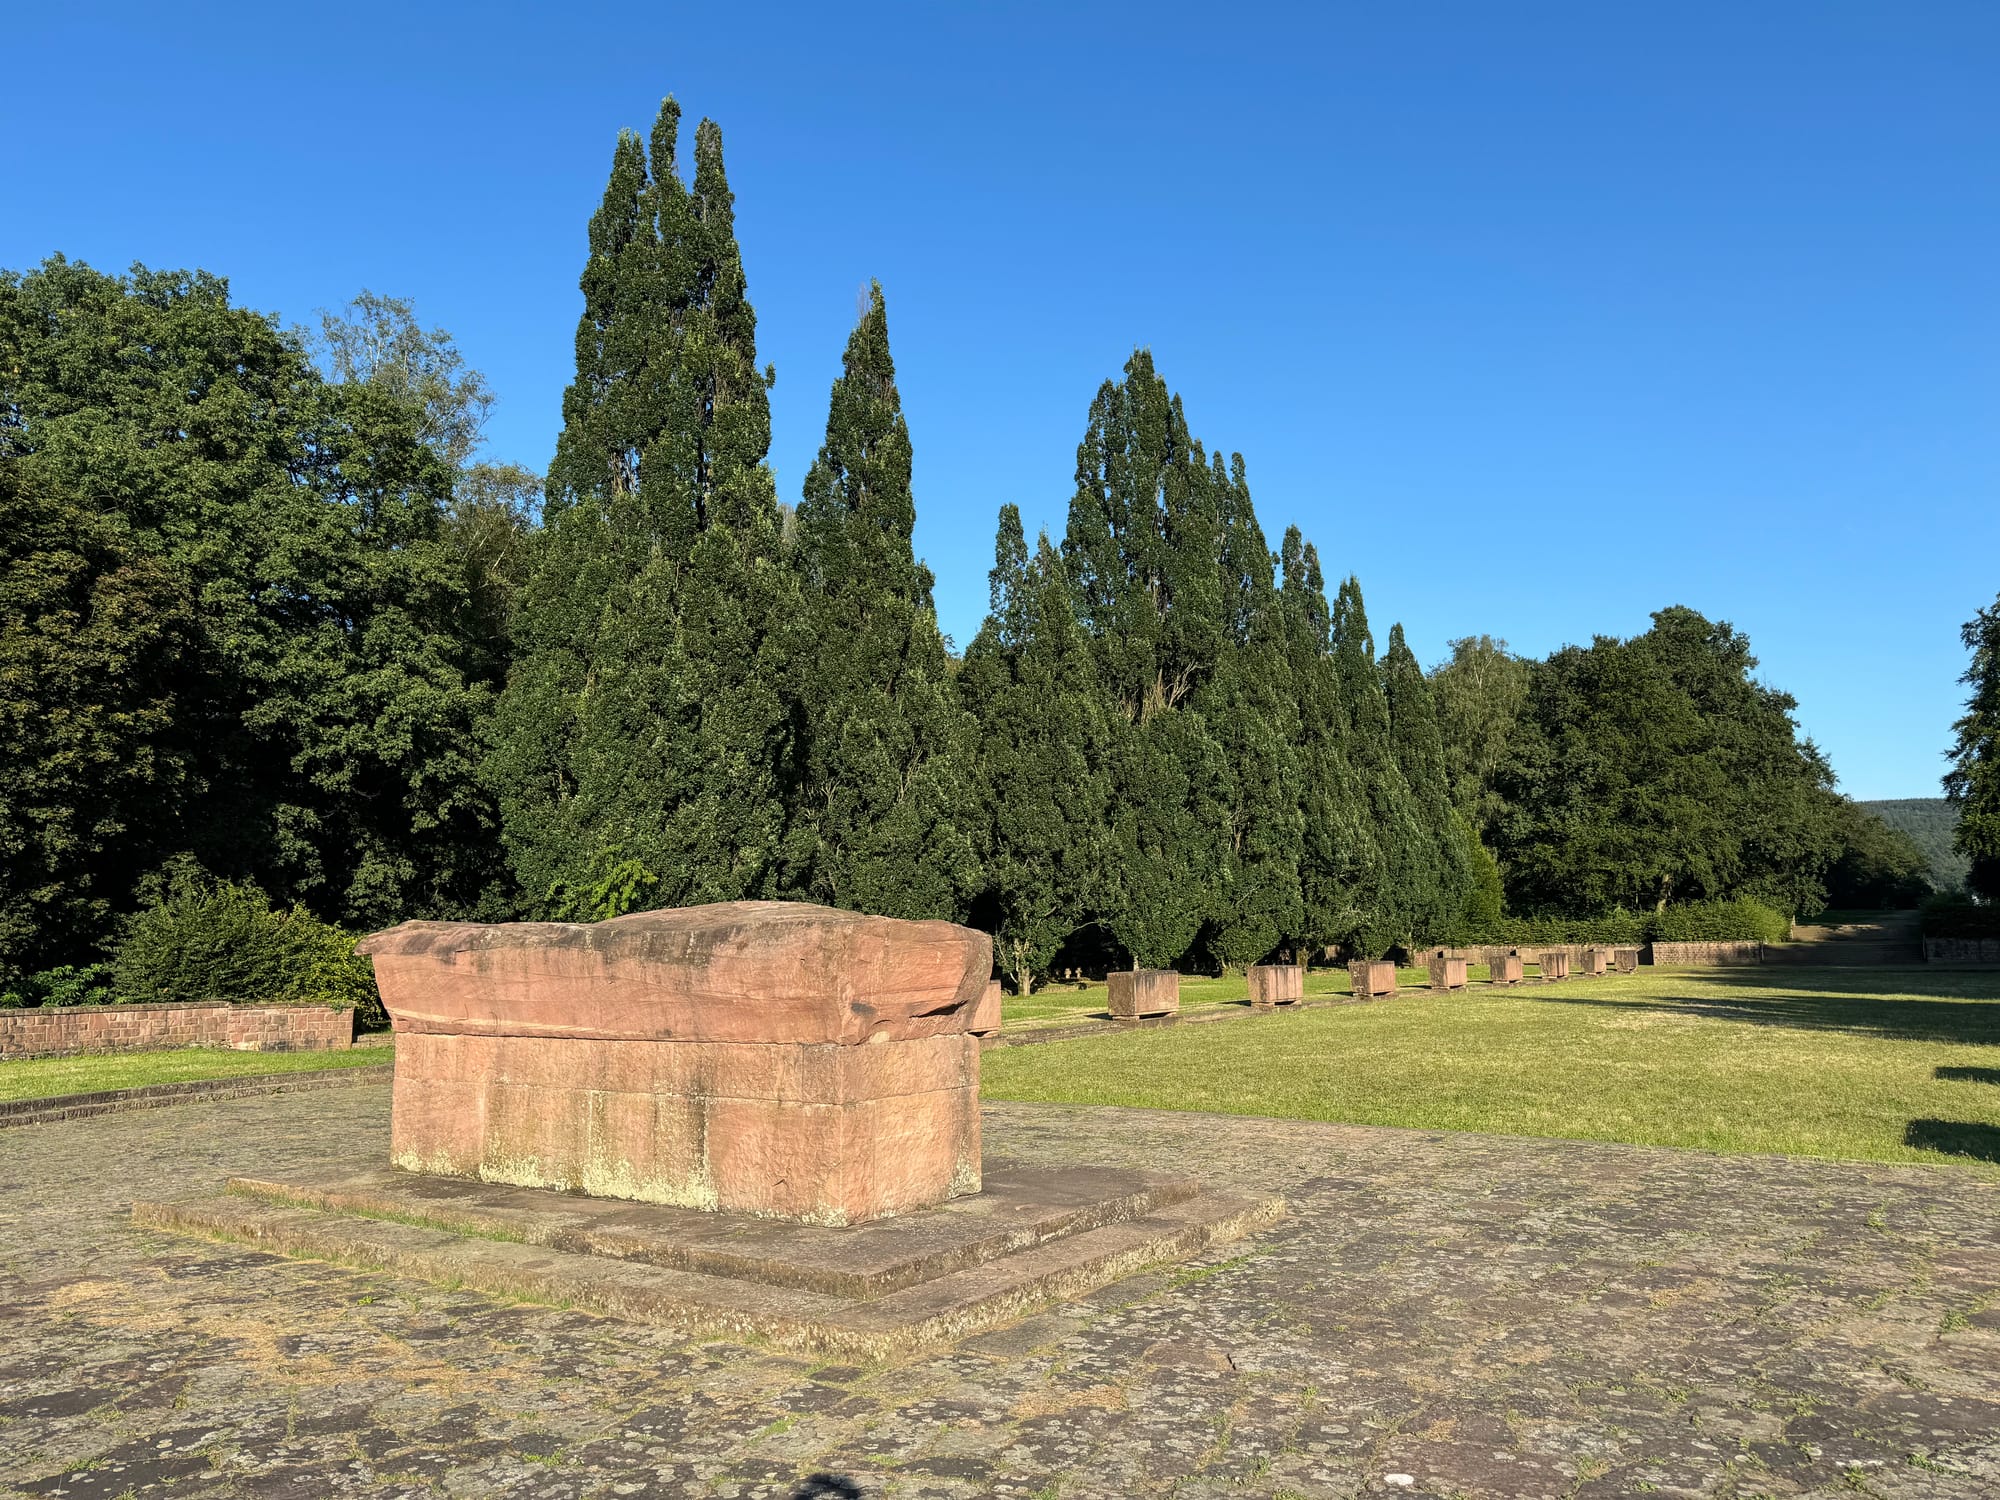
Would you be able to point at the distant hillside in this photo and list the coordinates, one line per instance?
(1930, 822)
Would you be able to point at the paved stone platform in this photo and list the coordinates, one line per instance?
(871, 1291)
(1437, 1316)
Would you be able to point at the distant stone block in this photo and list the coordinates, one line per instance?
(1596, 960)
(1136, 993)
(1447, 973)
(1506, 969)
(1555, 964)
(1372, 978)
(1276, 984)
(1625, 960)
(766, 1057)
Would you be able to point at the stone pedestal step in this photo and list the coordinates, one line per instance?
(1102, 1227)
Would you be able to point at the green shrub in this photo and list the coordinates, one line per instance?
(1696, 922)
(90, 985)
(1738, 921)
(1956, 915)
(226, 942)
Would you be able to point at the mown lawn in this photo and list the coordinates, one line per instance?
(44, 1077)
(1062, 1004)
(1879, 1065)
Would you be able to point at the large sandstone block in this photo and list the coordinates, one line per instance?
(1135, 993)
(765, 1057)
(1447, 973)
(1276, 984)
(1596, 960)
(1555, 964)
(1506, 968)
(1372, 978)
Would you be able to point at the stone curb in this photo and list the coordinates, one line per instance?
(157, 1095)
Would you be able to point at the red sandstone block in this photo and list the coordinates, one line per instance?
(1372, 977)
(1447, 973)
(986, 1019)
(1506, 970)
(740, 971)
(1143, 992)
(1596, 960)
(1555, 964)
(1276, 984)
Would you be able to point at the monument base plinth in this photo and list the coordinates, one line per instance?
(869, 1291)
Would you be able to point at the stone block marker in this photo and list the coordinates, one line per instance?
(1447, 973)
(1136, 993)
(1625, 960)
(1596, 960)
(1276, 984)
(1372, 978)
(1506, 969)
(767, 1057)
(1555, 964)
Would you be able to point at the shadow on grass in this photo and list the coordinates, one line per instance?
(1825, 1000)
(1967, 1075)
(1955, 1138)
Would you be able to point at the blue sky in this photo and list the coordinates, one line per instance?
(1537, 316)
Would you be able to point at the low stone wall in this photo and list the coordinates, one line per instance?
(1708, 955)
(1961, 950)
(61, 1031)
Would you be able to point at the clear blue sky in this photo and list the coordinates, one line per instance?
(1537, 316)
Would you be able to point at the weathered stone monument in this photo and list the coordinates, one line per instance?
(1135, 994)
(750, 1120)
(768, 1057)
(1372, 978)
(1447, 973)
(1276, 984)
(1506, 969)
(1555, 964)
(1625, 960)
(1596, 960)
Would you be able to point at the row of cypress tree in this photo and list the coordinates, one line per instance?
(1163, 746)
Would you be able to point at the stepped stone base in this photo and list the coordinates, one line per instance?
(868, 1291)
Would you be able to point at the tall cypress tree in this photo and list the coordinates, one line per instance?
(878, 815)
(1142, 550)
(1251, 707)
(1043, 739)
(644, 729)
(1441, 867)
(1339, 854)
(1973, 783)
(1395, 898)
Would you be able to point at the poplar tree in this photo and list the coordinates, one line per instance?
(879, 812)
(1441, 876)
(1251, 707)
(1041, 771)
(1338, 854)
(644, 730)
(1394, 895)
(1141, 548)
(1973, 783)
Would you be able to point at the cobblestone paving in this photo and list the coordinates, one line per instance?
(1440, 1316)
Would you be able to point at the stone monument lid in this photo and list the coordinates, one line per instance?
(735, 971)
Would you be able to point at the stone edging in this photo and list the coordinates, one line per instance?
(157, 1095)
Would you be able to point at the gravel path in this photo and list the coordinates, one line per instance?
(1441, 1315)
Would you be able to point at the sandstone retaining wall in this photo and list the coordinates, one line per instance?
(1962, 950)
(1708, 955)
(58, 1032)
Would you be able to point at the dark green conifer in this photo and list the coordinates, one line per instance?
(1440, 873)
(1041, 768)
(879, 810)
(1394, 896)
(1142, 549)
(1339, 855)
(645, 726)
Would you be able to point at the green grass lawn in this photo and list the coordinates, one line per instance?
(1880, 1065)
(43, 1077)
(1066, 1004)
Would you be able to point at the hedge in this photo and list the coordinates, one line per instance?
(1957, 915)
(1695, 922)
